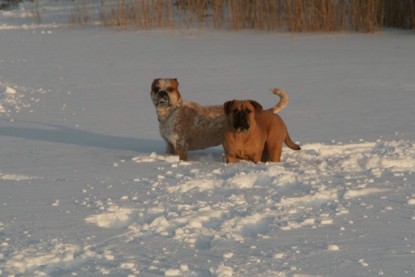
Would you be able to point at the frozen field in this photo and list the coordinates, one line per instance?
(86, 190)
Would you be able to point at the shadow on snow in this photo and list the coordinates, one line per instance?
(68, 135)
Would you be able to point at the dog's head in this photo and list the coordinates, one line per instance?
(241, 113)
(165, 95)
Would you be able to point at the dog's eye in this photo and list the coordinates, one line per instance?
(169, 89)
(248, 111)
(156, 89)
(235, 110)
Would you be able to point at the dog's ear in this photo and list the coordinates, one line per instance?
(175, 83)
(155, 81)
(228, 106)
(258, 107)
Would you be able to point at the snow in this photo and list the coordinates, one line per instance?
(86, 189)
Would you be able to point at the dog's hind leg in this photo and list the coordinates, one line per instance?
(276, 155)
(275, 150)
(265, 154)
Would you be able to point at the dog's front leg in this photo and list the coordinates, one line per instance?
(170, 149)
(261, 155)
(231, 158)
(181, 149)
(256, 158)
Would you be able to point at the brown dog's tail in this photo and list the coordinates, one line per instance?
(283, 99)
(290, 143)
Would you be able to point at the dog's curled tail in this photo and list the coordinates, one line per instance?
(283, 99)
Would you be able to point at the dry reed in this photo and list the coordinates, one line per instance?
(269, 15)
(79, 14)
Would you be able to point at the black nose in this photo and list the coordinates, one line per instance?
(241, 121)
(162, 94)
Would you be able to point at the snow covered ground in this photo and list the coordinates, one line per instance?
(86, 190)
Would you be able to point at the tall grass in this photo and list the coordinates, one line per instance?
(143, 14)
(79, 14)
(269, 15)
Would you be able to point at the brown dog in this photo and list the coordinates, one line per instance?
(189, 126)
(254, 134)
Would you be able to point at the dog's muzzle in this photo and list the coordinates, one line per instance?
(240, 122)
(162, 98)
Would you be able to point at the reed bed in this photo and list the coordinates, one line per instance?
(267, 15)
(143, 14)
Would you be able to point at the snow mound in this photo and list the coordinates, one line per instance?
(9, 99)
(153, 157)
(16, 177)
(310, 188)
(41, 260)
(14, 98)
(115, 217)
